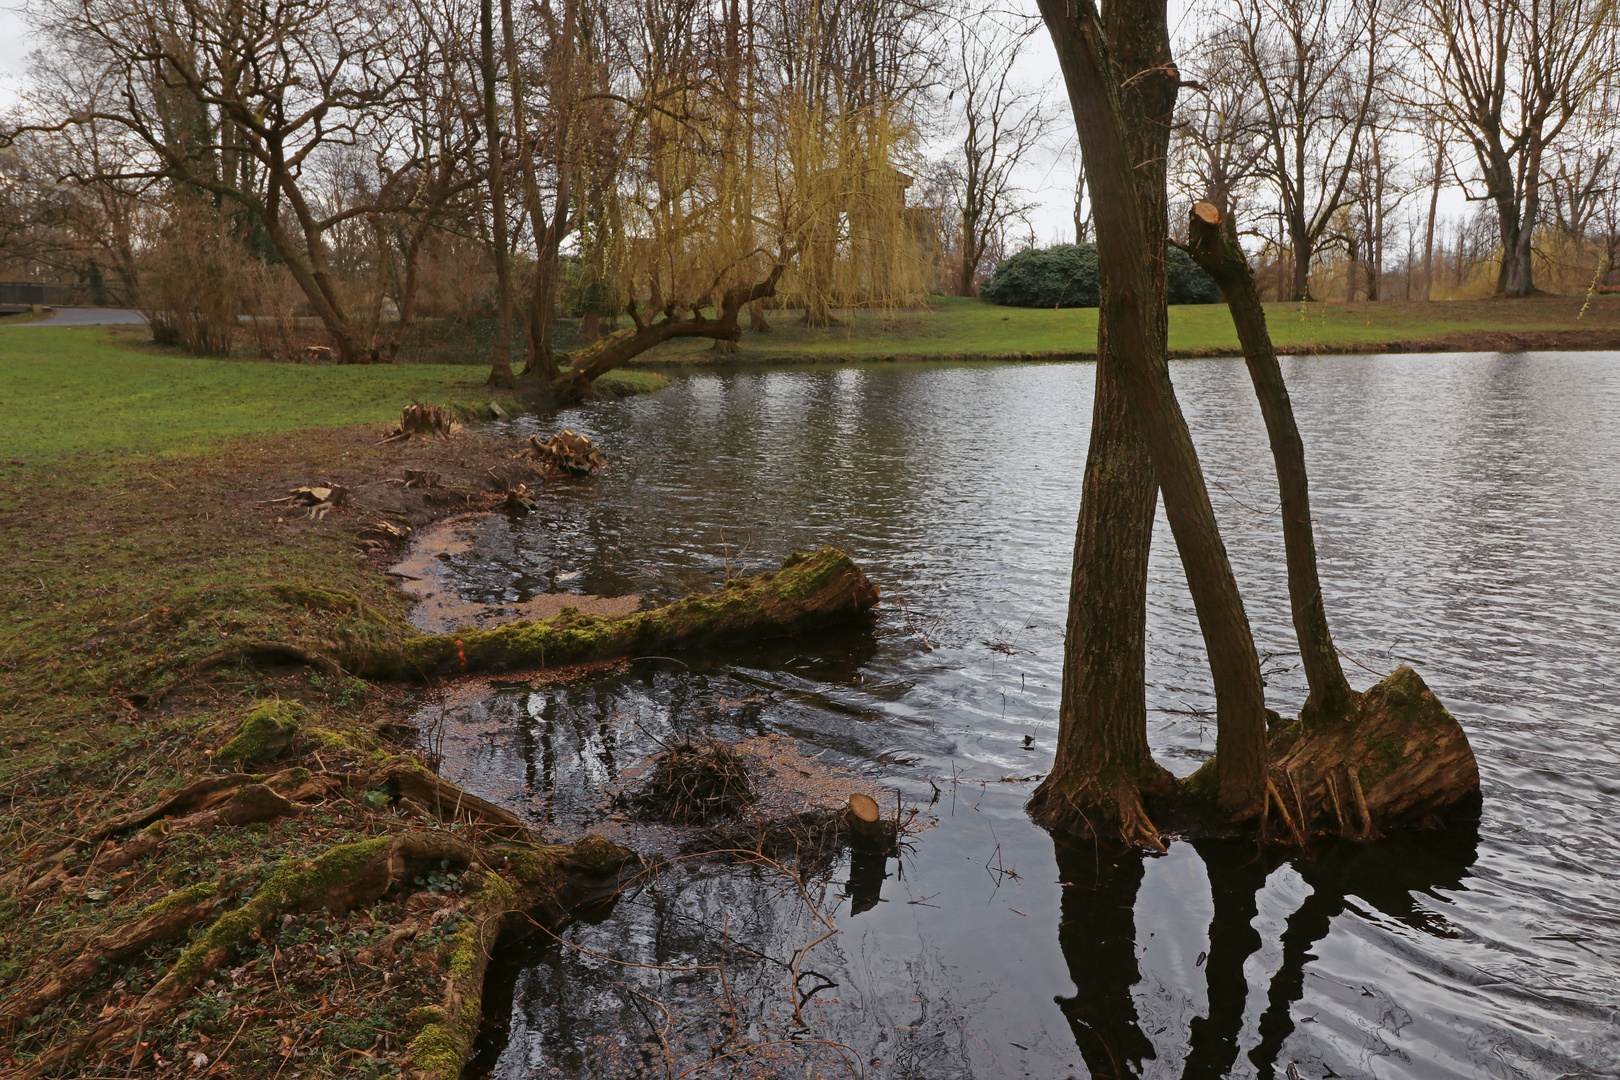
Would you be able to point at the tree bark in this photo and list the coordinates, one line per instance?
(1093, 82)
(1103, 765)
(500, 371)
(1212, 242)
(592, 362)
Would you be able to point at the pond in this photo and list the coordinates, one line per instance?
(1466, 512)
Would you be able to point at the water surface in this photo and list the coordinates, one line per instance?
(1467, 508)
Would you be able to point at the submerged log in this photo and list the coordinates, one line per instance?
(810, 591)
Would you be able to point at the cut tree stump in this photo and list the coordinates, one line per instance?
(869, 830)
(1401, 760)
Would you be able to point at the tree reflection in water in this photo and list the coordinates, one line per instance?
(1098, 936)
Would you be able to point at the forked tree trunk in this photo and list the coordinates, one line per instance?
(1093, 81)
(1212, 242)
(1103, 765)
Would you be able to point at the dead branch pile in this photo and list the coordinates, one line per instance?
(567, 451)
(418, 421)
(810, 841)
(696, 783)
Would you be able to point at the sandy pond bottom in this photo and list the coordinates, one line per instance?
(1466, 508)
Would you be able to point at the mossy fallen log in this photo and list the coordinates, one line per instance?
(809, 591)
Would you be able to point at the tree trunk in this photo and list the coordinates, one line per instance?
(548, 235)
(1123, 249)
(592, 362)
(1428, 229)
(756, 317)
(1299, 236)
(1103, 765)
(500, 371)
(1213, 245)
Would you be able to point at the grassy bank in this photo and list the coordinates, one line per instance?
(958, 327)
(250, 929)
(96, 388)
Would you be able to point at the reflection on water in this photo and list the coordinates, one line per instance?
(1466, 509)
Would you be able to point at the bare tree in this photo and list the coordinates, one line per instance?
(1002, 121)
(1220, 138)
(1317, 67)
(242, 105)
(1511, 75)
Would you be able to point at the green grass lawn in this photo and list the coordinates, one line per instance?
(91, 388)
(963, 327)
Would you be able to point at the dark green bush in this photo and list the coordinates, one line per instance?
(1066, 276)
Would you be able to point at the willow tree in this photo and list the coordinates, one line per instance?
(717, 205)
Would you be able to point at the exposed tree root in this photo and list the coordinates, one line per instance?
(1400, 760)
(446, 801)
(169, 917)
(544, 882)
(340, 879)
(216, 800)
(253, 650)
(1094, 810)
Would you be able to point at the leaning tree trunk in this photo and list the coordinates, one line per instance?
(587, 365)
(1103, 764)
(1093, 81)
(1213, 244)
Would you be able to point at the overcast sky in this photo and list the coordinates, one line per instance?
(1049, 180)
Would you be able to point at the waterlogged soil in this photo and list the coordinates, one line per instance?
(1465, 508)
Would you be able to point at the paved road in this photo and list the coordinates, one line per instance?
(88, 316)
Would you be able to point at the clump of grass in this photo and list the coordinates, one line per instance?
(696, 783)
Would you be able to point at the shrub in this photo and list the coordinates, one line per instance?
(1066, 276)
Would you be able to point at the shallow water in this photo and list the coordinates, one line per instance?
(1466, 507)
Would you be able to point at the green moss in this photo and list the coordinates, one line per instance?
(423, 1015)
(200, 891)
(438, 1052)
(358, 741)
(534, 868)
(332, 600)
(598, 856)
(264, 734)
(293, 884)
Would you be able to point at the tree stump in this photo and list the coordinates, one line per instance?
(1400, 760)
(869, 830)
